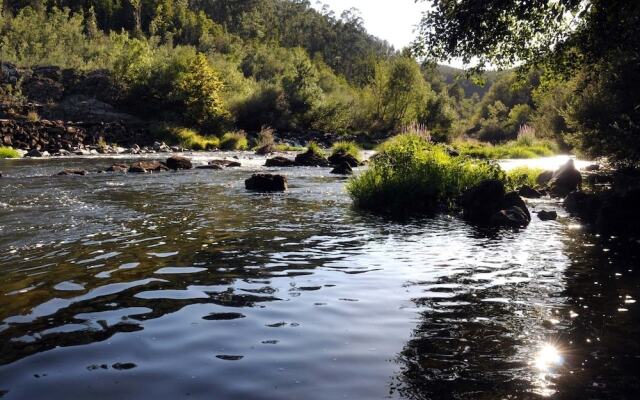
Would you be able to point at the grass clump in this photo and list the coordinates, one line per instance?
(524, 148)
(314, 148)
(523, 176)
(413, 175)
(234, 141)
(347, 148)
(191, 139)
(266, 138)
(33, 116)
(9, 152)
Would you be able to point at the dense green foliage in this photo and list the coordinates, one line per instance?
(521, 176)
(8, 152)
(234, 141)
(413, 175)
(588, 50)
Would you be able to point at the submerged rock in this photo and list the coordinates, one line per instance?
(176, 162)
(68, 172)
(143, 167)
(547, 215)
(266, 183)
(210, 167)
(583, 205)
(343, 169)
(513, 217)
(280, 162)
(312, 159)
(565, 180)
(36, 153)
(266, 149)
(118, 168)
(225, 163)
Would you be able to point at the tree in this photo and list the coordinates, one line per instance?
(597, 41)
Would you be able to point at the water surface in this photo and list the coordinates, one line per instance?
(184, 285)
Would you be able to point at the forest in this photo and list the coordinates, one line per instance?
(223, 65)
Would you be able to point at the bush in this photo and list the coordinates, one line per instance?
(347, 148)
(522, 176)
(234, 141)
(413, 175)
(33, 116)
(9, 152)
(508, 150)
(265, 138)
(191, 139)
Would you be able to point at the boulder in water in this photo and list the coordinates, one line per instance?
(488, 204)
(565, 180)
(547, 215)
(280, 162)
(312, 159)
(225, 163)
(71, 172)
(543, 179)
(266, 183)
(343, 169)
(142, 167)
(342, 158)
(176, 162)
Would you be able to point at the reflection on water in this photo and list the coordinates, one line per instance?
(112, 283)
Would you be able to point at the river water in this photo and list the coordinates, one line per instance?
(184, 285)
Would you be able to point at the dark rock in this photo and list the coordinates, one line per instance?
(482, 201)
(547, 215)
(312, 159)
(34, 153)
(42, 90)
(48, 71)
(225, 163)
(512, 199)
(266, 183)
(280, 162)
(342, 158)
(118, 168)
(529, 192)
(565, 180)
(176, 162)
(343, 169)
(147, 166)
(543, 179)
(452, 151)
(68, 172)
(211, 167)
(583, 205)
(514, 217)
(599, 178)
(487, 203)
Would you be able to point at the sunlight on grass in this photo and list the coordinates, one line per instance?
(9, 152)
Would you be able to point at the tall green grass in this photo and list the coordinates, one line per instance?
(412, 175)
(347, 148)
(313, 147)
(234, 141)
(191, 139)
(9, 152)
(523, 176)
(522, 148)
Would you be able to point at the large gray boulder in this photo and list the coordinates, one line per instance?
(565, 180)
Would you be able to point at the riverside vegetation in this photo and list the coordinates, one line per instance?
(200, 70)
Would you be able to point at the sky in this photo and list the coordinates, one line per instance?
(393, 21)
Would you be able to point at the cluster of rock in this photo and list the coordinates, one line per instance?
(343, 163)
(66, 138)
(488, 203)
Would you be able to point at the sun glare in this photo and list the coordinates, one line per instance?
(548, 357)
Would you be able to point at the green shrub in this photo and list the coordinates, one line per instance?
(191, 139)
(508, 150)
(413, 175)
(265, 138)
(234, 141)
(33, 116)
(522, 176)
(9, 152)
(347, 148)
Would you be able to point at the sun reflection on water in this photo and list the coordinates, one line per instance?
(547, 360)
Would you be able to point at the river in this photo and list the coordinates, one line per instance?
(185, 285)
